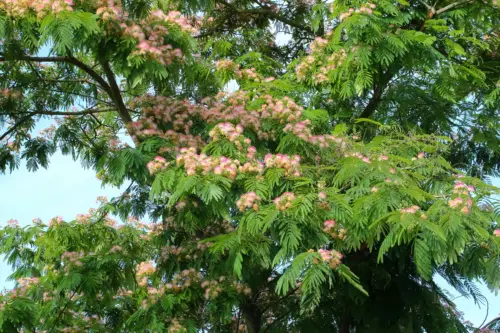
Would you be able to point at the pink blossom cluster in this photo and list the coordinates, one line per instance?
(157, 164)
(48, 133)
(410, 210)
(253, 167)
(101, 199)
(247, 201)
(303, 67)
(203, 164)
(174, 17)
(183, 280)
(461, 197)
(248, 74)
(227, 64)
(21, 8)
(13, 223)
(10, 93)
(83, 218)
(162, 110)
(360, 156)
(332, 257)
(230, 132)
(290, 164)
(321, 74)
(176, 327)
(72, 258)
(241, 288)
(24, 284)
(284, 201)
(55, 221)
(328, 225)
(420, 156)
(331, 228)
(212, 288)
(496, 232)
(143, 270)
(364, 9)
(318, 44)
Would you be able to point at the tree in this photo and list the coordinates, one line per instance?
(273, 209)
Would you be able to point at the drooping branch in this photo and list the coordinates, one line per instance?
(28, 116)
(19, 123)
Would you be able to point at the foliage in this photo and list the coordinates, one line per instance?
(307, 200)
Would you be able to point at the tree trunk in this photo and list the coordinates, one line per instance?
(345, 325)
(252, 316)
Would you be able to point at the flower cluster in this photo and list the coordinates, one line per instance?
(360, 156)
(290, 164)
(55, 221)
(157, 164)
(331, 228)
(410, 210)
(183, 280)
(332, 257)
(248, 200)
(284, 201)
(203, 164)
(144, 269)
(176, 327)
(230, 132)
(461, 198)
(318, 43)
(227, 64)
(72, 258)
(10, 93)
(13, 223)
(40, 7)
(496, 232)
(366, 8)
(24, 284)
(49, 132)
(212, 289)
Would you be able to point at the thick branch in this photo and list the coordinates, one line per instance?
(116, 95)
(68, 59)
(378, 91)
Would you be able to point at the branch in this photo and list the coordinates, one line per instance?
(378, 91)
(115, 94)
(272, 14)
(450, 6)
(16, 125)
(67, 59)
(75, 113)
(52, 113)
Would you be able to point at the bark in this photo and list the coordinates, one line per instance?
(252, 316)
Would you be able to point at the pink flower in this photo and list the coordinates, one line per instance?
(421, 155)
(496, 232)
(322, 195)
(328, 224)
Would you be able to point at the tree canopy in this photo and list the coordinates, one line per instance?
(348, 169)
